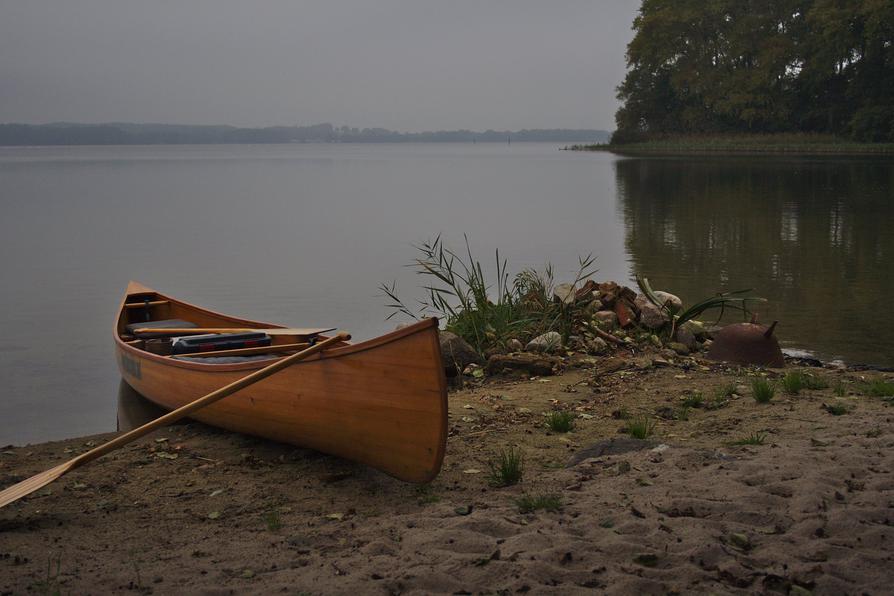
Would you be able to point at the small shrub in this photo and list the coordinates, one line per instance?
(681, 413)
(839, 389)
(546, 502)
(694, 400)
(763, 391)
(793, 382)
(755, 438)
(560, 421)
(874, 433)
(508, 467)
(640, 427)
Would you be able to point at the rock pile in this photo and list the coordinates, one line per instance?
(604, 317)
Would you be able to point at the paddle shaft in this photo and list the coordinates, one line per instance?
(17, 491)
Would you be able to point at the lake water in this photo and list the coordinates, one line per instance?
(304, 235)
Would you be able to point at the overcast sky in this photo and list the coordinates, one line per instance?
(408, 65)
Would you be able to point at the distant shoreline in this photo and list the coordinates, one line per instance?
(128, 133)
(769, 144)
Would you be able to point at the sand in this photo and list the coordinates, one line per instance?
(194, 510)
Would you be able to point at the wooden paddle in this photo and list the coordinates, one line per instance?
(25, 487)
(203, 330)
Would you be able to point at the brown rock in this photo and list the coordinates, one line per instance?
(456, 353)
(624, 312)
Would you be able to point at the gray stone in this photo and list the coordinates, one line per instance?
(686, 337)
(679, 348)
(456, 353)
(650, 316)
(548, 342)
(514, 345)
(564, 293)
(608, 447)
(675, 305)
(597, 345)
(607, 319)
(696, 328)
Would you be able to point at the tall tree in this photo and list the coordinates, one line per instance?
(760, 66)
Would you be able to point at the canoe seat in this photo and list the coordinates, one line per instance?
(166, 324)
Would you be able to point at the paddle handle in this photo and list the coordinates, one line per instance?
(207, 400)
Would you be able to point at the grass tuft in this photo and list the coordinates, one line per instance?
(755, 438)
(762, 390)
(694, 400)
(793, 382)
(877, 388)
(273, 521)
(545, 502)
(836, 409)
(640, 427)
(507, 468)
(560, 421)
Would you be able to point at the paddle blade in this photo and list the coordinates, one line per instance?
(26, 487)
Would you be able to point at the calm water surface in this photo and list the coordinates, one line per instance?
(304, 234)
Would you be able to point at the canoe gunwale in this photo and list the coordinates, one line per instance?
(254, 364)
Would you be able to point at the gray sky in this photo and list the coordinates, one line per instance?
(407, 65)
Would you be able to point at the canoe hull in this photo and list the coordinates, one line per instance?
(382, 402)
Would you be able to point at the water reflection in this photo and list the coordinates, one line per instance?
(812, 235)
(133, 409)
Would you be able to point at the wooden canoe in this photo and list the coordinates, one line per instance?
(381, 402)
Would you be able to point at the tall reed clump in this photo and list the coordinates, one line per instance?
(488, 313)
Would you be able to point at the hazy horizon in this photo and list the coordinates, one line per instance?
(400, 65)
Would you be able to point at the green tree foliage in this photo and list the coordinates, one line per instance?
(760, 66)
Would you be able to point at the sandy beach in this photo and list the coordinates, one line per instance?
(192, 509)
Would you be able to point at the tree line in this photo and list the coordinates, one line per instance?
(155, 134)
(760, 66)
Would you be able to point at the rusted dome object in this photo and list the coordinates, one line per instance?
(747, 343)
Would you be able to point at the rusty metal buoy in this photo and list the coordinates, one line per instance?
(747, 343)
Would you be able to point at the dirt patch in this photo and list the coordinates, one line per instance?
(192, 509)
